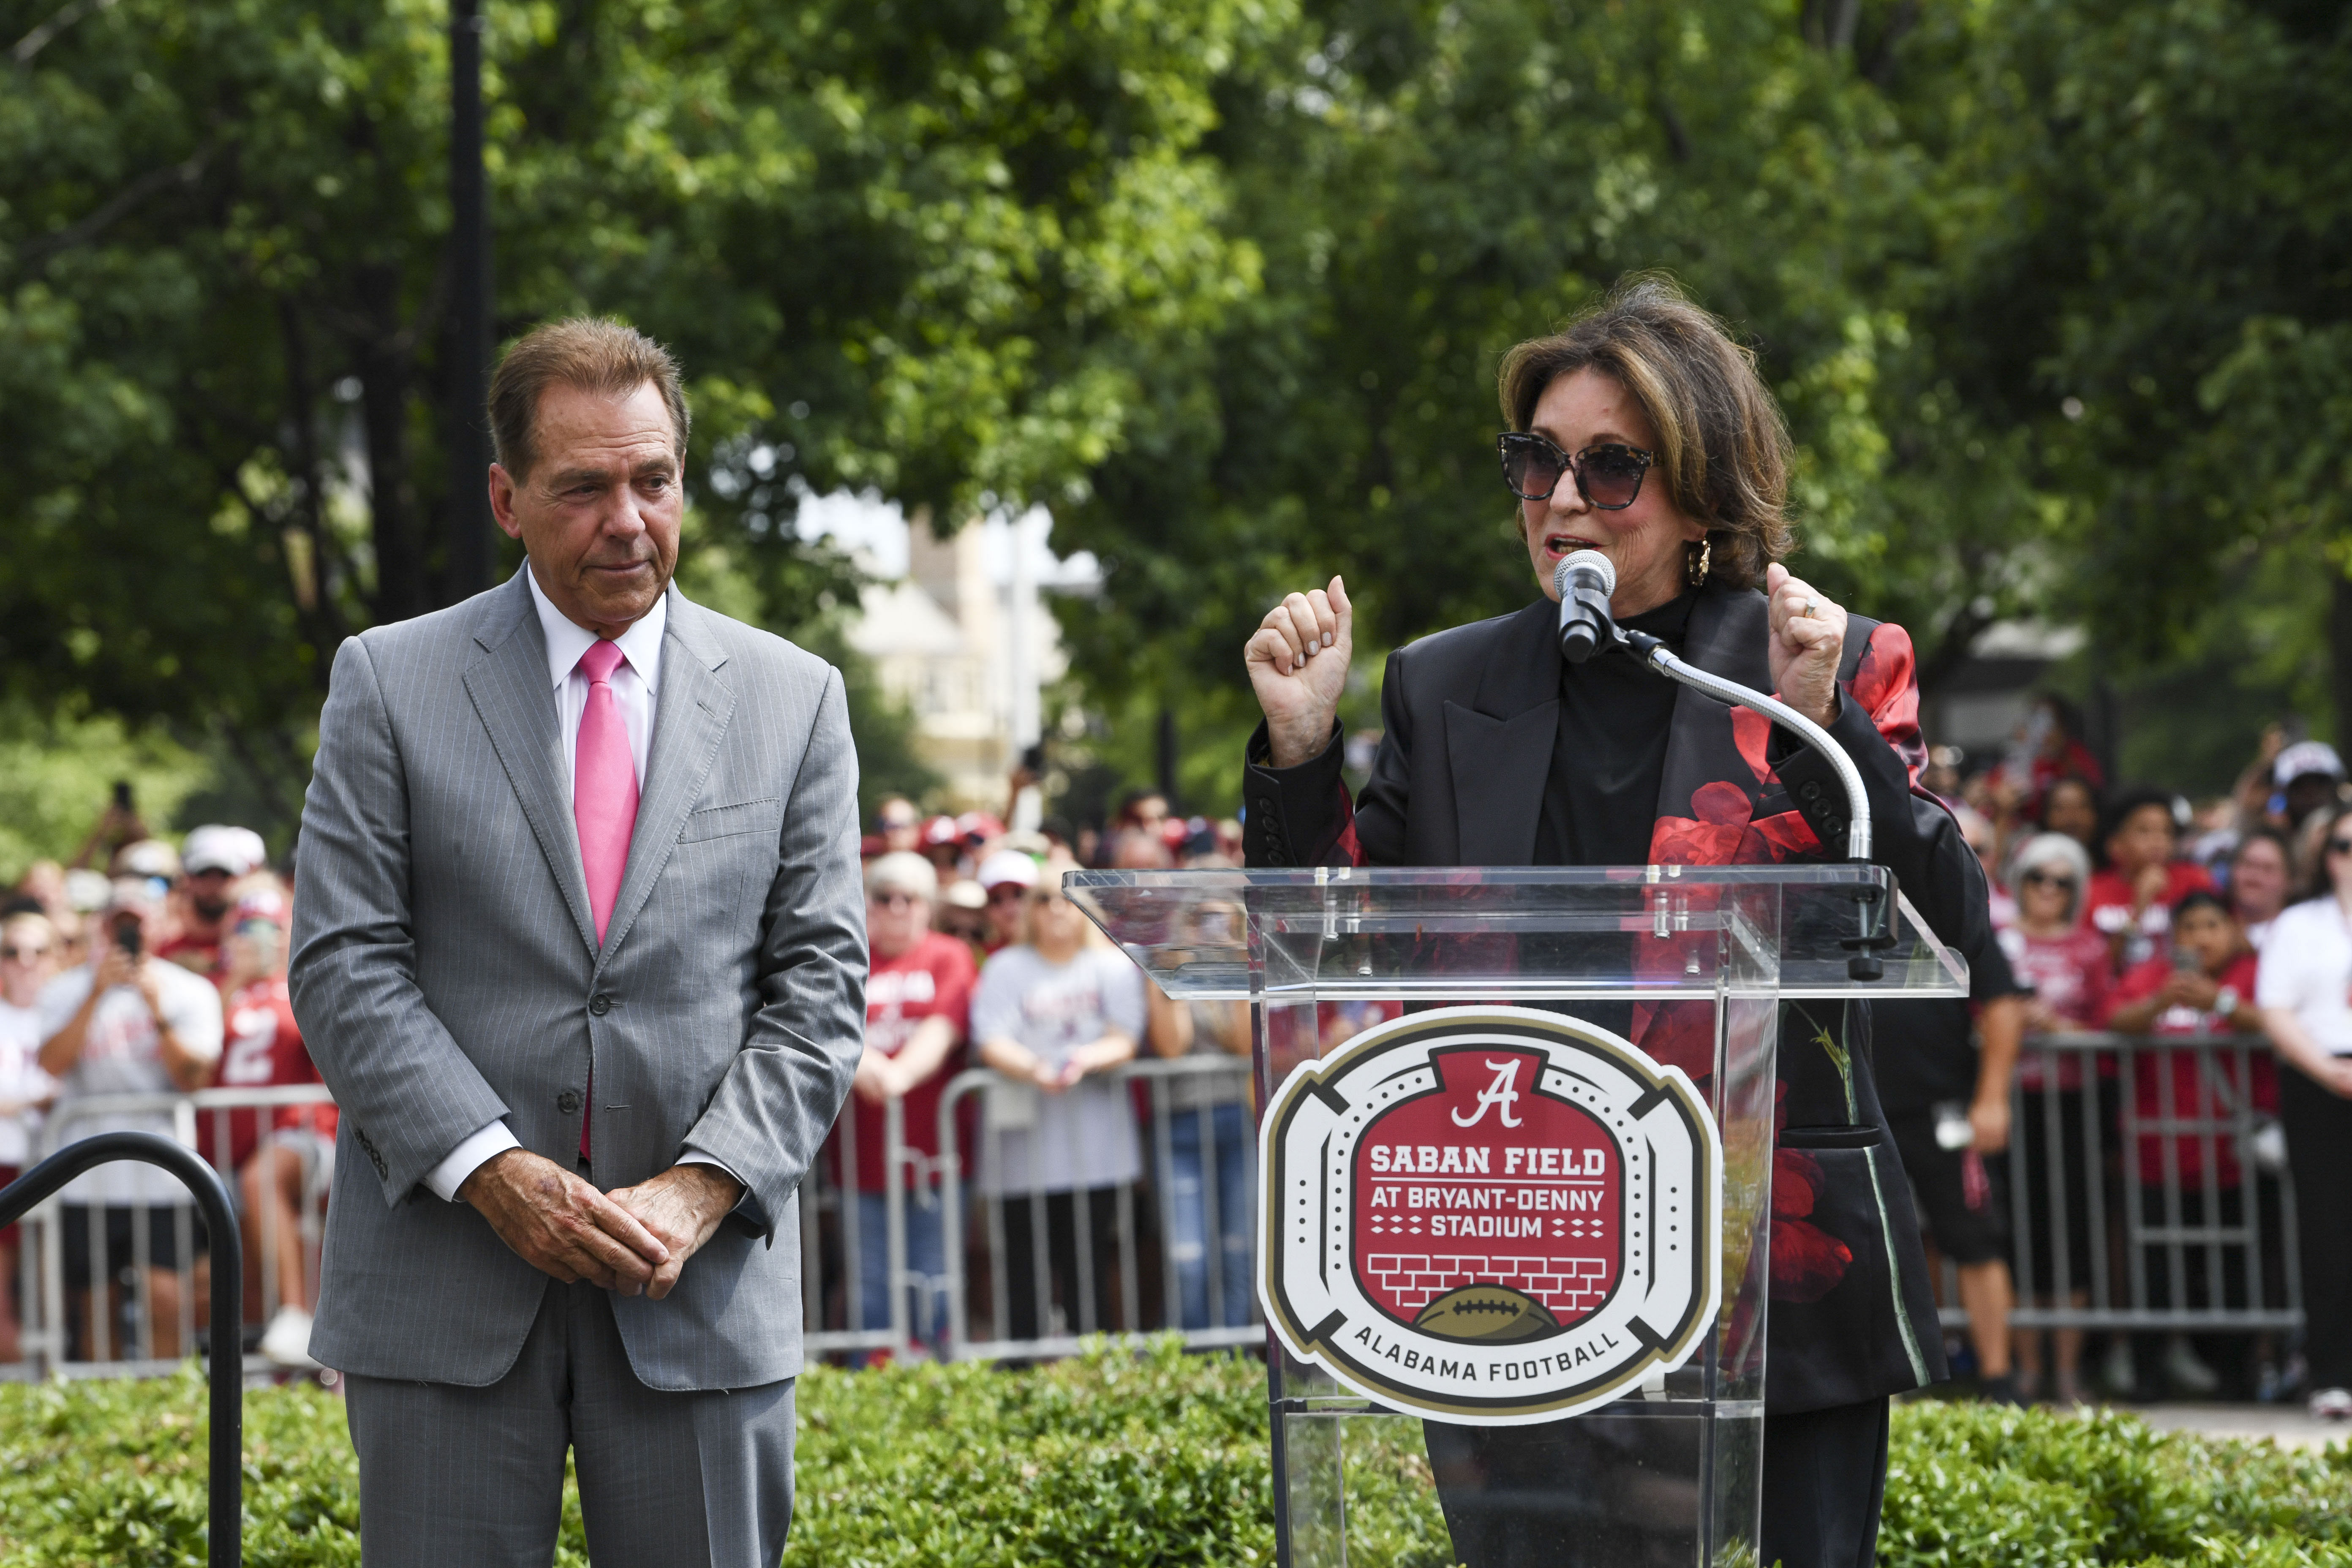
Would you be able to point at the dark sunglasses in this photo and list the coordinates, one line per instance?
(891, 897)
(23, 954)
(1608, 475)
(2339, 847)
(1006, 893)
(2052, 879)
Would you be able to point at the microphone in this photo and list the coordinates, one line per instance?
(1585, 580)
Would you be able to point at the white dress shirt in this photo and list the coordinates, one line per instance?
(635, 682)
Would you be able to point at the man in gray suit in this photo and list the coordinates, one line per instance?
(580, 947)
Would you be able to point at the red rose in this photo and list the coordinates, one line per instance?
(1808, 1262)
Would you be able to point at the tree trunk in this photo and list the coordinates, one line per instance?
(385, 370)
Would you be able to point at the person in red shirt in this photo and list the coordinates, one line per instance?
(2131, 897)
(2204, 988)
(214, 858)
(296, 1155)
(918, 1007)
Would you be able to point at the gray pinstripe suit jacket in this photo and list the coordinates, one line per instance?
(446, 973)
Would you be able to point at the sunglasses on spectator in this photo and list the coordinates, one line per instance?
(2339, 847)
(891, 897)
(2048, 880)
(23, 954)
(1609, 476)
(1006, 893)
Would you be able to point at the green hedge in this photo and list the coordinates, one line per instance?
(1118, 1460)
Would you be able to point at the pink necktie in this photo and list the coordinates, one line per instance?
(604, 799)
(604, 784)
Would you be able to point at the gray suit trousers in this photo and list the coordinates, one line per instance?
(453, 1474)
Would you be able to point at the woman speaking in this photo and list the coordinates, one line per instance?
(1643, 431)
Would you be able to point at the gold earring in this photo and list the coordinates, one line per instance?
(1696, 558)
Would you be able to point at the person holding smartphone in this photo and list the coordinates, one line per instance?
(127, 1022)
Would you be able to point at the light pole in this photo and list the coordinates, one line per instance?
(468, 563)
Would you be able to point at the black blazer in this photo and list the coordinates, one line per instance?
(1470, 718)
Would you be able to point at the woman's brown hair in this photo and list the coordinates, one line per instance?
(1723, 447)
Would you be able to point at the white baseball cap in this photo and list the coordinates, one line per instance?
(2304, 759)
(213, 847)
(1008, 866)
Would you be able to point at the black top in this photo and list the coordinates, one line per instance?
(1608, 765)
(1926, 1049)
(1609, 754)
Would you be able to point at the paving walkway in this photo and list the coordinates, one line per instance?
(2286, 1424)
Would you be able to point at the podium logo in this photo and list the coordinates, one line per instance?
(1500, 1093)
(1491, 1215)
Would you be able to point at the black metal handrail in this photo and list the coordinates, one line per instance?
(224, 1528)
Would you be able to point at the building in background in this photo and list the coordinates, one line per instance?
(963, 638)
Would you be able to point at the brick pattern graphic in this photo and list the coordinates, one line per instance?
(1571, 1287)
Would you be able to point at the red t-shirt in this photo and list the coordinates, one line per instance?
(264, 1047)
(2107, 909)
(2070, 975)
(932, 979)
(194, 953)
(2196, 1094)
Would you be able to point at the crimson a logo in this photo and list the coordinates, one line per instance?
(1492, 1214)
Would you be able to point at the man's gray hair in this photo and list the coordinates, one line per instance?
(595, 353)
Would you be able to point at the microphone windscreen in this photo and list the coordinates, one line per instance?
(1583, 561)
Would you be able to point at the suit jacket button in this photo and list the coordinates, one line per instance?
(1811, 792)
(600, 1003)
(567, 1102)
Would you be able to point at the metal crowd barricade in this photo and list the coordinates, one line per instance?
(1142, 1277)
(2094, 1243)
(833, 1242)
(201, 1121)
(224, 1526)
(987, 1217)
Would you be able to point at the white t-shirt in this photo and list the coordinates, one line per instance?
(1083, 1137)
(21, 1083)
(124, 1055)
(2306, 967)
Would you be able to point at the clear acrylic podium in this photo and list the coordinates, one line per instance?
(1689, 963)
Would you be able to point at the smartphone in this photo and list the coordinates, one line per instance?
(130, 938)
(122, 794)
(2185, 962)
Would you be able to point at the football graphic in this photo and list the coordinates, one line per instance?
(1490, 1314)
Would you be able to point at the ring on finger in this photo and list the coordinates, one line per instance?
(1811, 605)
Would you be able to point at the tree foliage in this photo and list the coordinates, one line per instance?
(921, 245)
(2053, 292)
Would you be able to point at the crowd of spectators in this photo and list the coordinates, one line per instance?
(2127, 912)
(148, 971)
(2220, 928)
(980, 961)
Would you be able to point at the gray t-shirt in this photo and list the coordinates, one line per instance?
(122, 1055)
(1083, 1137)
